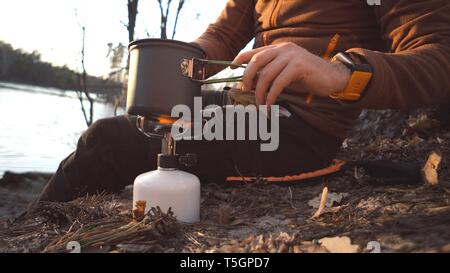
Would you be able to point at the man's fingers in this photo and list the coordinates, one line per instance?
(266, 76)
(282, 81)
(245, 57)
(258, 62)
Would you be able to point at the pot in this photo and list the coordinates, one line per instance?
(155, 83)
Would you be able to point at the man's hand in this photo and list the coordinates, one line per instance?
(272, 68)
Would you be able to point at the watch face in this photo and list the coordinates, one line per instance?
(345, 60)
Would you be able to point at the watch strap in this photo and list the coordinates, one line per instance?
(359, 80)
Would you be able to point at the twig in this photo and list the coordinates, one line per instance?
(290, 198)
(180, 6)
(323, 202)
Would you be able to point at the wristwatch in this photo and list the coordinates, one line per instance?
(361, 76)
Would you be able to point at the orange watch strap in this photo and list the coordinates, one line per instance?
(356, 85)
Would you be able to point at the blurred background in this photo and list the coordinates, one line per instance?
(63, 64)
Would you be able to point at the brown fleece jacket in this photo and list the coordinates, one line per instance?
(406, 41)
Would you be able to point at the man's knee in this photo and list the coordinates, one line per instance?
(106, 130)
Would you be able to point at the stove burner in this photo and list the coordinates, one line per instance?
(154, 127)
(160, 128)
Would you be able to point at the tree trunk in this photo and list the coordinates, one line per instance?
(132, 15)
(164, 17)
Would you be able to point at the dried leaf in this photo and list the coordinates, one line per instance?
(429, 171)
(423, 123)
(446, 248)
(333, 198)
(139, 210)
(239, 222)
(415, 140)
(339, 244)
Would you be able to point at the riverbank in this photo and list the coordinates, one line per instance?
(24, 87)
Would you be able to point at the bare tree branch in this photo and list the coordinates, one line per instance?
(132, 7)
(180, 7)
(83, 84)
(169, 2)
(163, 20)
(164, 17)
(80, 98)
(82, 79)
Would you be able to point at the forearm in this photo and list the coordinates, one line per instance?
(406, 80)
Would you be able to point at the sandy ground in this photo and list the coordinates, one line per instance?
(363, 215)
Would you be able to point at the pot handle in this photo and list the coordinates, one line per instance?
(195, 69)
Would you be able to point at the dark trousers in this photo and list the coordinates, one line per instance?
(112, 152)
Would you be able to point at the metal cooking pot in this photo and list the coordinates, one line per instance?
(155, 83)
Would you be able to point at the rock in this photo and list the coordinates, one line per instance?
(14, 179)
(374, 123)
(390, 123)
(18, 190)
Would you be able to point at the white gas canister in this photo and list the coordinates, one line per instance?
(169, 188)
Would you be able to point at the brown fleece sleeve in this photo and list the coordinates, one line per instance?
(232, 31)
(417, 71)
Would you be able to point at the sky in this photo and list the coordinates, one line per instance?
(52, 27)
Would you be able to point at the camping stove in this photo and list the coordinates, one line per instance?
(162, 75)
(167, 187)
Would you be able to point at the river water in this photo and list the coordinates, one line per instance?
(39, 126)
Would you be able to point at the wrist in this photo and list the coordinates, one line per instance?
(342, 76)
(360, 76)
